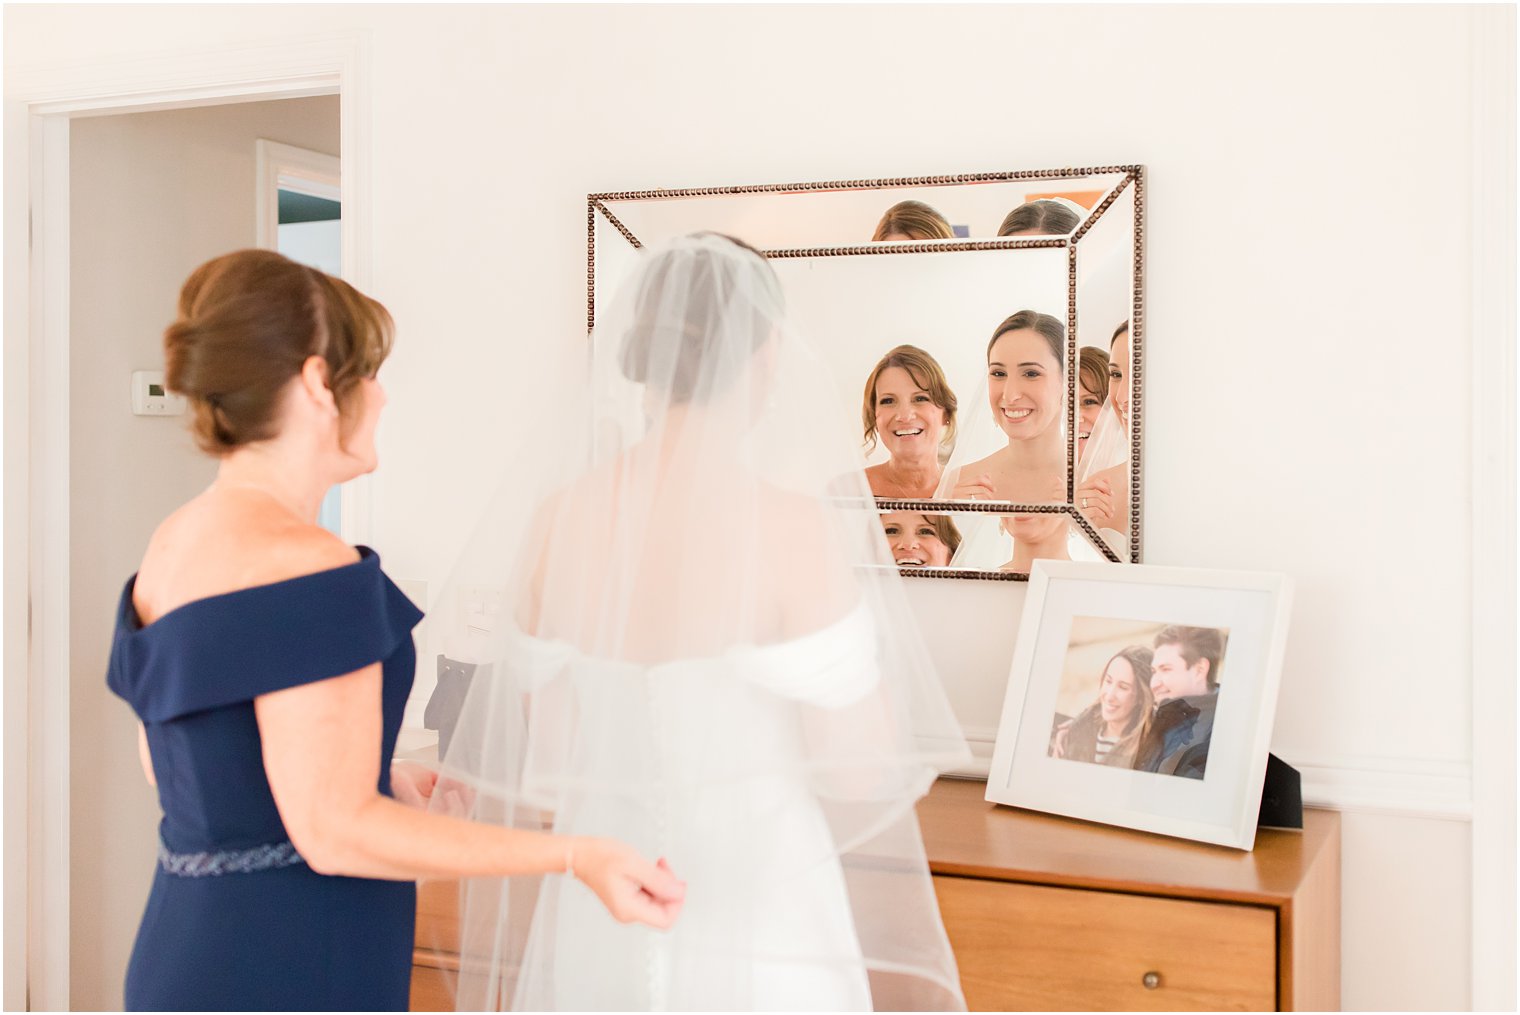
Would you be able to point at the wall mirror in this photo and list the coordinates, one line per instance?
(987, 328)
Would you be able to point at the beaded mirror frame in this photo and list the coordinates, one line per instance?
(1130, 180)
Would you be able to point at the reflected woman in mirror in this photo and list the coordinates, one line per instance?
(1026, 394)
(1103, 472)
(1110, 730)
(1036, 537)
(1092, 383)
(1045, 217)
(909, 408)
(912, 220)
(921, 540)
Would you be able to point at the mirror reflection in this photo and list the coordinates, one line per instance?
(952, 355)
(852, 212)
(984, 541)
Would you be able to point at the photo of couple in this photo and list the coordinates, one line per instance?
(1138, 695)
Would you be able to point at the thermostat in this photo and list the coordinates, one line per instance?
(151, 398)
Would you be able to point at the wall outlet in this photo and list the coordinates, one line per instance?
(151, 398)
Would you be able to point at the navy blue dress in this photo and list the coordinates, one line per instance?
(235, 919)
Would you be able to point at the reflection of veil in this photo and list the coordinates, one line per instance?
(1107, 447)
(674, 646)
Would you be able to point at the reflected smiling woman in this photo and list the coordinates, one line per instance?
(1025, 362)
(1036, 537)
(1092, 380)
(920, 540)
(909, 408)
(1109, 730)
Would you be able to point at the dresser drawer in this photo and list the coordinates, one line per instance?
(1025, 947)
(432, 983)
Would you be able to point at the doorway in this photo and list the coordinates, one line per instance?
(74, 881)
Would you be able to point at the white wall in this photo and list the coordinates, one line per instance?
(153, 195)
(1308, 275)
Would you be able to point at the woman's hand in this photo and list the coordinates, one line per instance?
(1058, 741)
(979, 488)
(1095, 499)
(413, 784)
(633, 889)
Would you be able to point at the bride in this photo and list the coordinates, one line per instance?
(687, 644)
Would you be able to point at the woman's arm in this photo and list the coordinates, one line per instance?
(144, 756)
(321, 753)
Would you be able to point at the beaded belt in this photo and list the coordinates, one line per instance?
(228, 861)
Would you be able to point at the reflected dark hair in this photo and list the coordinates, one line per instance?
(247, 322)
(915, 220)
(677, 362)
(1195, 643)
(1046, 217)
(926, 373)
(1092, 370)
(944, 527)
(1122, 329)
(1048, 328)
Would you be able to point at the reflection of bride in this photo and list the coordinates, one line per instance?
(1102, 486)
(1026, 395)
(1026, 398)
(682, 653)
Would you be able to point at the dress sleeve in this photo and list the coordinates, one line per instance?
(231, 649)
(833, 667)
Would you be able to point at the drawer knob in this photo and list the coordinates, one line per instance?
(1152, 980)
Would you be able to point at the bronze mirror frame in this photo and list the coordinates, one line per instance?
(1132, 178)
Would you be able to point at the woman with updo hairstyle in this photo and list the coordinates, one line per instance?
(1044, 217)
(722, 321)
(912, 220)
(1103, 479)
(909, 409)
(1092, 384)
(269, 663)
(1026, 394)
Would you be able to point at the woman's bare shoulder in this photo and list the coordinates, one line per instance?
(201, 551)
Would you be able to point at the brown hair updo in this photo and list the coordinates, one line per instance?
(915, 220)
(247, 322)
(704, 304)
(1043, 217)
(1047, 327)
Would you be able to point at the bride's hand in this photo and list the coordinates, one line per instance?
(1095, 499)
(633, 889)
(979, 488)
(412, 784)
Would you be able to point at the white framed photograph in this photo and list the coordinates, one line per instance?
(1144, 697)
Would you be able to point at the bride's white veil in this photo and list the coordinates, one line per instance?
(681, 627)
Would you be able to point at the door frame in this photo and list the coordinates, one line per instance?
(39, 110)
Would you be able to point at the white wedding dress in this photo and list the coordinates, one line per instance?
(767, 923)
(693, 639)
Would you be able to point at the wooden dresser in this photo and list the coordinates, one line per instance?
(1046, 913)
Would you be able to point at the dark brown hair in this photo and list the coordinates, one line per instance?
(1195, 643)
(926, 373)
(1045, 217)
(1047, 327)
(915, 220)
(687, 306)
(1092, 370)
(247, 323)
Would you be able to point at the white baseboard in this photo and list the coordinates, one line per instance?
(1406, 787)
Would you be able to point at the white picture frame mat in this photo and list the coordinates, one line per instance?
(1251, 606)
